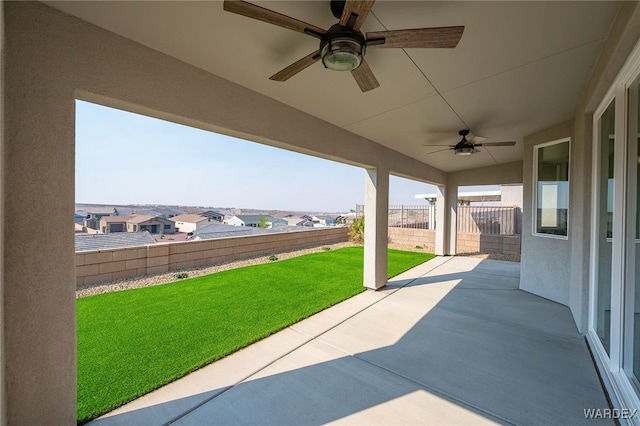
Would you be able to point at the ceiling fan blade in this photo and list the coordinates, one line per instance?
(360, 8)
(251, 10)
(510, 143)
(364, 77)
(443, 37)
(296, 67)
(450, 146)
(440, 150)
(477, 139)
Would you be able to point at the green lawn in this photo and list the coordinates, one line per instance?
(134, 341)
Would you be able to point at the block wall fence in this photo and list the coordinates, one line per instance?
(93, 267)
(98, 266)
(466, 242)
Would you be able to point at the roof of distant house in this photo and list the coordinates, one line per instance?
(161, 211)
(110, 241)
(124, 211)
(132, 218)
(110, 219)
(190, 218)
(86, 212)
(139, 218)
(81, 229)
(325, 217)
(217, 230)
(253, 217)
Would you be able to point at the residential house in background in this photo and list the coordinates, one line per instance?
(163, 212)
(81, 229)
(92, 217)
(79, 217)
(155, 225)
(135, 223)
(318, 221)
(189, 222)
(213, 215)
(253, 220)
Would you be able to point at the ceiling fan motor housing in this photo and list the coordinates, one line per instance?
(342, 48)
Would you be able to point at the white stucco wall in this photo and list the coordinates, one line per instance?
(545, 261)
(511, 195)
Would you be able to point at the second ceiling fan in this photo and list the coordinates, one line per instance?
(465, 147)
(343, 46)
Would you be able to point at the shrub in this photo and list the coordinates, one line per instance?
(273, 258)
(356, 230)
(181, 275)
(263, 223)
(419, 247)
(326, 248)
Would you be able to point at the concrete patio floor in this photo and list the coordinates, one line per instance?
(452, 341)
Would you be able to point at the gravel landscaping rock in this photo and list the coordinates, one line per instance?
(169, 277)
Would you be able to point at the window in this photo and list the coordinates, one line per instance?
(551, 177)
(167, 226)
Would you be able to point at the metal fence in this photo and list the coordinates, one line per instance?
(409, 216)
(404, 216)
(494, 220)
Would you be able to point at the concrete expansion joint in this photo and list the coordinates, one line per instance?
(310, 339)
(492, 275)
(487, 289)
(438, 392)
(242, 380)
(389, 293)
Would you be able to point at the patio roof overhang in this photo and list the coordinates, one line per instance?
(518, 68)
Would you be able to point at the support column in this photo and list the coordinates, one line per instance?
(376, 213)
(446, 219)
(37, 272)
(432, 214)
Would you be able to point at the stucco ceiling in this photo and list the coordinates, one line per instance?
(519, 67)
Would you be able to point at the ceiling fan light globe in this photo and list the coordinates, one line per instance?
(342, 54)
(464, 151)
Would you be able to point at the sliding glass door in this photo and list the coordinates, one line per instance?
(604, 226)
(632, 305)
(614, 327)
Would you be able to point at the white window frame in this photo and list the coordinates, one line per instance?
(534, 204)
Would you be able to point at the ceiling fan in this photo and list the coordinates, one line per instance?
(343, 46)
(465, 147)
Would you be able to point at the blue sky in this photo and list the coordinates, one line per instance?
(125, 158)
